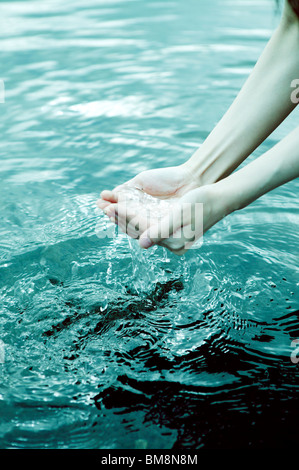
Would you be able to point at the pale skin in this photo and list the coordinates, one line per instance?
(208, 177)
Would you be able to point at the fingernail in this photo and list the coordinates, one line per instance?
(146, 242)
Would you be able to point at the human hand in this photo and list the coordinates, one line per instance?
(176, 225)
(163, 183)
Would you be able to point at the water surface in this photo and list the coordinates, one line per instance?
(106, 347)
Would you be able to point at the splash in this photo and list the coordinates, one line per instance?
(152, 207)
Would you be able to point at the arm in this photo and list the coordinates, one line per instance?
(262, 104)
(276, 167)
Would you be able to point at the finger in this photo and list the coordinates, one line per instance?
(119, 219)
(189, 232)
(103, 204)
(132, 183)
(161, 230)
(181, 250)
(176, 243)
(128, 219)
(110, 196)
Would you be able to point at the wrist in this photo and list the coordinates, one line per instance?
(202, 169)
(211, 163)
(191, 172)
(229, 198)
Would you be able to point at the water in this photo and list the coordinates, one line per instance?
(102, 346)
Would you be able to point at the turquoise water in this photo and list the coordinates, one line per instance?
(106, 347)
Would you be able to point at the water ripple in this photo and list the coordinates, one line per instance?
(106, 346)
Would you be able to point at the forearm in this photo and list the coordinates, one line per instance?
(276, 167)
(262, 104)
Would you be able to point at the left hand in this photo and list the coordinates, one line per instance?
(178, 228)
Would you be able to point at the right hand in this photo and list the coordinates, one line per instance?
(164, 183)
(175, 226)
